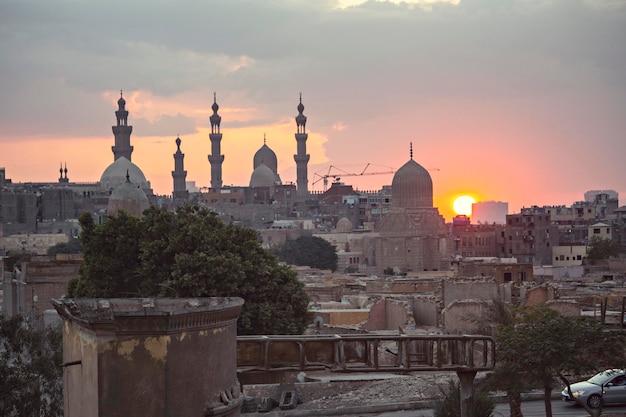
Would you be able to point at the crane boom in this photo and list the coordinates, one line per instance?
(343, 173)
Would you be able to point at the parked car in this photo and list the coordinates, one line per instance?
(607, 387)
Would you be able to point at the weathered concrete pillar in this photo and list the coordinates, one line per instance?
(467, 392)
(158, 357)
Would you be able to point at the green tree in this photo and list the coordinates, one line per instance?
(191, 253)
(600, 248)
(73, 246)
(310, 251)
(30, 369)
(110, 257)
(540, 345)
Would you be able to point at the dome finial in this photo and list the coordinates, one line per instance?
(264, 138)
(127, 176)
(411, 150)
(214, 97)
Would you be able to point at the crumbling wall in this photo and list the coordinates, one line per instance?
(464, 316)
(425, 311)
(470, 289)
(567, 308)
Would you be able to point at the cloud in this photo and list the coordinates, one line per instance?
(529, 74)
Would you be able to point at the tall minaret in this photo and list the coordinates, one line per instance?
(179, 175)
(301, 158)
(122, 132)
(216, 137)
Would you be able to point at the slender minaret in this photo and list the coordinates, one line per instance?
(63, 180)
(301, 158)
(216, 137)
(122, 132)
(179, 175)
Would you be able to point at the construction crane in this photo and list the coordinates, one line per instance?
(337, 176)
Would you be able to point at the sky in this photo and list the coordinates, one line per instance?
(521, 101)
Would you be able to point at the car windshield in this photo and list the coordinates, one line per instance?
(603, 377)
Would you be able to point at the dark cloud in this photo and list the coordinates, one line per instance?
(355, 64)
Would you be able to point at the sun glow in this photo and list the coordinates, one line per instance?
(463, 205)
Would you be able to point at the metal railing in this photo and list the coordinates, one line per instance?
(366, 353)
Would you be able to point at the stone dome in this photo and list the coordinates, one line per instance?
(267, 157)
(128, 197)
(115, 175)
(412, 186)
(344, 225)
(262, 176)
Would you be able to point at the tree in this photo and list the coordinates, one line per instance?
(30, 369)
(600, 248)
(191, 253)
(310, 251)
(73, 246)
(540, 345)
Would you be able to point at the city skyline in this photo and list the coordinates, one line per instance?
(519, 101)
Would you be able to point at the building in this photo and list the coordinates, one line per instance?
(413, 235)
(148, 357)
(489, 212)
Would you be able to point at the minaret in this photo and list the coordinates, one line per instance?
(216, 137)
(301, 158)
(62, 179)
(122, 132)
(179, 175)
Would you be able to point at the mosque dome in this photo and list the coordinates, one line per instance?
(344, 225)
(115, 175)
(412, 186)
(128, 197)
(266, 156)
(262, 176)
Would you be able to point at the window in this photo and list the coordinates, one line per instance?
(507, 277)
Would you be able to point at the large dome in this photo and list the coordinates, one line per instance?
(115, 175)
(128, 197)
(262, 177)
(412, 186)
(267, 157)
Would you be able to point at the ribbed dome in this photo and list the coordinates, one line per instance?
(344, 225)
(128, 197)
(262, 177)
(267, 157)
(115, 175)
(412, 186)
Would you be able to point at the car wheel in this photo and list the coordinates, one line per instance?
(594, 401)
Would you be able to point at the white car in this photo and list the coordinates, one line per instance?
(607, 387)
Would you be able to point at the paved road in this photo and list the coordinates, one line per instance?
(529, 409)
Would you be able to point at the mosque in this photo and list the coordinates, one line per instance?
(408, 234)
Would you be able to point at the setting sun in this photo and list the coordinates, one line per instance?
(463, 205)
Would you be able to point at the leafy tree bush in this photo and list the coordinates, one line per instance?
(73, 246)
(539, 345)
(310, 251)
(30, 369)
(450, 403)
(190, 253)
(600, 248)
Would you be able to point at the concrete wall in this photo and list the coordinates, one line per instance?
(425, 312)
(566, 308)
(536, 295)
(461, 316)
(469, 290)
(390, 314)
(150, 357)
